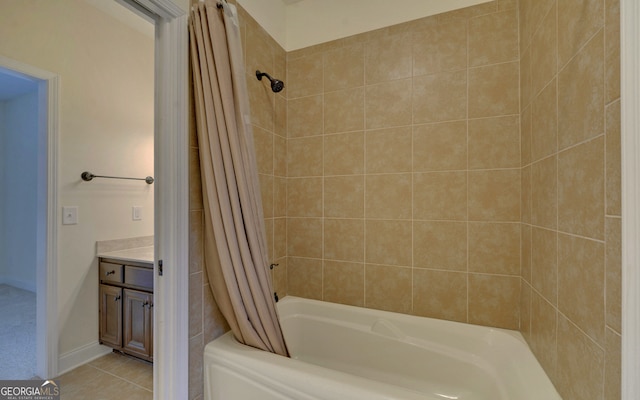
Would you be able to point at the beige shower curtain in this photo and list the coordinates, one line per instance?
(236, 256)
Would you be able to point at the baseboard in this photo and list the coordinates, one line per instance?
(80, 356)
(29, 286)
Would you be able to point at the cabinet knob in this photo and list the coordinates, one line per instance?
(117, 298)
(146, 303)
(112, 272)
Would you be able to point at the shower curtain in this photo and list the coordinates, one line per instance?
(236, 256)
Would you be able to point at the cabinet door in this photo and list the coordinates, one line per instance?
(111, 316)
(138, 326)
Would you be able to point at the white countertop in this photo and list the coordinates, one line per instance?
(140, 254)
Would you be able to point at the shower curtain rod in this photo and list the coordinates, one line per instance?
(87, 176)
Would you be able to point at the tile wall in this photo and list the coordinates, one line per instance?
(444, 168)
(570, 116)
(404, 168)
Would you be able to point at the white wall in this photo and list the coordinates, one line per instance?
(106, 127)
(19, 190)
(309, 22)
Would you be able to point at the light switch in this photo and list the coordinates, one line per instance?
(69, 215)
(137, 213)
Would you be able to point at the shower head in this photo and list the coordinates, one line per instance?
(276, 85)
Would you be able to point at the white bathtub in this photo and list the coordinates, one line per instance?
(341, 352)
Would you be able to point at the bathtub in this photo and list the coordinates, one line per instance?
(341, 352)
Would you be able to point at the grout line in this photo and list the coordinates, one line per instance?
(119, 377)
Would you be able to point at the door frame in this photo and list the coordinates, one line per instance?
(47, 205)
(171, 193)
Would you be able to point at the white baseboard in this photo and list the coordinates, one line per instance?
(29, 286)
(80, 356)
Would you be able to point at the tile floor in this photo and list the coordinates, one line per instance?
(111, 377)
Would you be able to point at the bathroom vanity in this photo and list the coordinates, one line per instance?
(126, 301)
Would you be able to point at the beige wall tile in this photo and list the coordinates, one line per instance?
(581, 295)
(613, 160)
(526, 195)
(388, 150)
(279, 197)
(440, 294)
(544, 263)
(439, 97)
(388, 58)
(263, 143)
(305, 76)
(544, 52)
(259, 54)
(280, 116)
(268, 227)
(440, 147)
(578, 20)
(344, 197)
(280, 278)
(304, 116)
(196, 240)
(525, 136)
(388, 196)
(304, 157)
(494, 142)
(543, 335)
(580, 106)
(388, 242)
(494, 300)
(304, 237)
(613, 285)
(544, 123)
(388, 288)
(544, 194)
(304, 197)
(266, 192)
(580, 372)
(343, 283)
(493, 38)
(279, 238)
(494, 248)
(463, 14)
(538, 9)
(261, 102)
(388, 104)
(440, 196)
(440, 245)
(344, 239)
(304, 278)
(344, 154)
(526, 88)
(525, 311)
(494, 195)
(440, 48)
(524, 12)
(493, 90)
(612, 50)
(507, 4)
(344, 68)
(612, 367)
(525, 252)
(344, 110)
(195, 304)
(279, 156)
(581, 189)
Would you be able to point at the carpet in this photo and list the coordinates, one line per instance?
(17, 333)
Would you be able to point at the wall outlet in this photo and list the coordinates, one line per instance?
(70, 215)
(136, 214)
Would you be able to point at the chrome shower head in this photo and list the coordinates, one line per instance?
(276, 85)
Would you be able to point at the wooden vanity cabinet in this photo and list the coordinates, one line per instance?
(126, 307)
